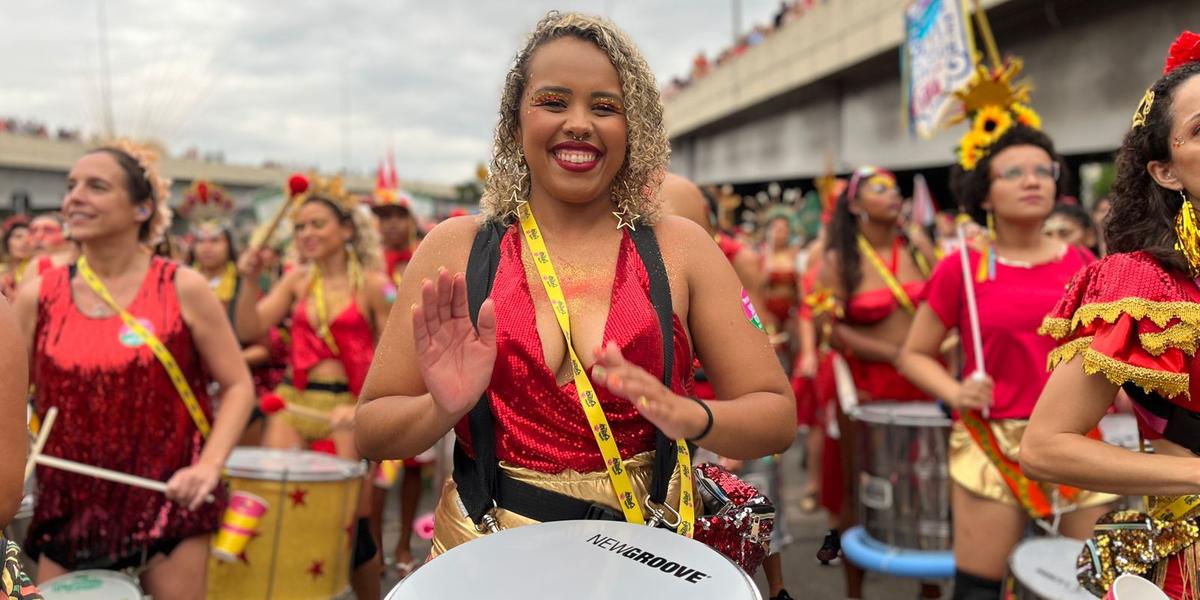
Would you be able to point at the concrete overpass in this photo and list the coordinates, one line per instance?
(38, 167)
(829, 84)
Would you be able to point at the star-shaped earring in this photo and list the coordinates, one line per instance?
(626, 218)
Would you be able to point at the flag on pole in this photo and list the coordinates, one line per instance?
(924, 211)
(938, 57)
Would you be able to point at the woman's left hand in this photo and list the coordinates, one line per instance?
(189, 486)
(341, 418)
(677, 417)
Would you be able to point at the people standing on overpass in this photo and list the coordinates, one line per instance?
(877, 275)
(1007, 178)
(1127, 323)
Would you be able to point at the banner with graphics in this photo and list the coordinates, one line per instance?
(938, 58)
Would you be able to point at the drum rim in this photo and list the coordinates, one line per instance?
(1048, 542)
(108, 576)
(746, 578)
(872, 413)
(345, 470)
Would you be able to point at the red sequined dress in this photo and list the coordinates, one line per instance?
(1137, 323)
(117, 409)
(539, 424)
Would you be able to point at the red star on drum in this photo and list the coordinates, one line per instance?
(317, 569)
(298, 496)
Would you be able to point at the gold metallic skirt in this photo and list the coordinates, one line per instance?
(309, 428)
(453, 527)
(970, 467)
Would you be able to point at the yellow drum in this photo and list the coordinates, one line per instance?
(303, 544)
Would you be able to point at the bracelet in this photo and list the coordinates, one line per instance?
(707, 411)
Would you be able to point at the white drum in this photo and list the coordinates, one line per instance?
(583, 560)
(91, 585)
(1120, 430)
(1044, 569)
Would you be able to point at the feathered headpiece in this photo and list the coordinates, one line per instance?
(993, 103)
(303, 187)
(207, 205)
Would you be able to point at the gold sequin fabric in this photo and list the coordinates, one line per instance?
(1129, 541)
(309, 428)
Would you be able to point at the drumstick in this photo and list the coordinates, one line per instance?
(43, 435)
(107, 474)
(972, 309)
(272, 403)
(297, 184)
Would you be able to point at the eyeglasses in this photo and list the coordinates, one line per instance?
(1048, 172)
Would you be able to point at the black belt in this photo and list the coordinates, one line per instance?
(545, 506)
(333, 387)
(1183, 425)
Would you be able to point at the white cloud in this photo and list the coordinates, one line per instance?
(264, 80)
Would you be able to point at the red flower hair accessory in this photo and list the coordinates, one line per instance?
(1186, 49)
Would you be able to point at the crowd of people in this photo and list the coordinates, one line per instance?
(702, 65)
(33, 128)
(590, 337)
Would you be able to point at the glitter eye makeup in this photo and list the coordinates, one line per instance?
(549, 98)
(609, 103)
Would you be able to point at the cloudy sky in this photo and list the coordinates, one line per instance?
(313, 82)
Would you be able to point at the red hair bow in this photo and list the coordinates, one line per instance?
(1186, 49)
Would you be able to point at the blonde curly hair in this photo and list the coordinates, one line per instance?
(145, 184)
(635, 186)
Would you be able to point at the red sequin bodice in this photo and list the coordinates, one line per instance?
(351, 332)
(117, 409)
(539, 424)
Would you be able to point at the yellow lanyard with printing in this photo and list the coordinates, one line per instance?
(889, 278)
(588, 400)
(160, 351)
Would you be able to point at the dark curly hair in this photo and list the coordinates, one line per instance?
(1143, 212)
(971, 188)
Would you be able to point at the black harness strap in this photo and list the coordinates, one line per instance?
(480, 483)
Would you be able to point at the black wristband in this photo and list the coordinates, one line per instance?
(708, 427)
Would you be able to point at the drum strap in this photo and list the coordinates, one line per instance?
(481, 485)
(160, 351)
(1027, 492)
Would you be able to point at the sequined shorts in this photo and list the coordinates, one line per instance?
(453, 527)
(970, 467)
(323, 394)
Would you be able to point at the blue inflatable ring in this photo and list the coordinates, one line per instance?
(872, 555)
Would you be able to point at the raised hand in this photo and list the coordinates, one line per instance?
(676, 416)
(456, 360)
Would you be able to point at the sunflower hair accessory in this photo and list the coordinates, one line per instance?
(993, 103)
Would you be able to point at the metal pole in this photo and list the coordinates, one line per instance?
(105, 74)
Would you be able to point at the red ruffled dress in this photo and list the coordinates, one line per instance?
(117, 410)
(1138, 324)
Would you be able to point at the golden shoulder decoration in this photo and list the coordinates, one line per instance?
(993, 102)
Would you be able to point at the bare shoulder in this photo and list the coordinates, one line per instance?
(447, 245)
(188, 282)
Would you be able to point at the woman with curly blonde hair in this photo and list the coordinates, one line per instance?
(91, 327)
(572, 202)
(337, 301)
